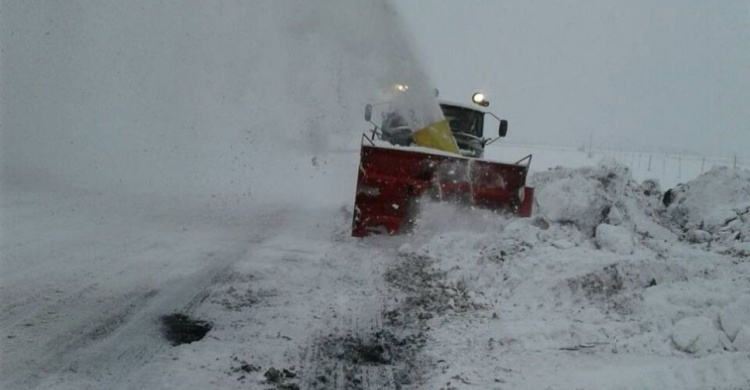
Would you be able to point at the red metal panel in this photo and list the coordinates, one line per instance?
(390, 182)
(527, 203)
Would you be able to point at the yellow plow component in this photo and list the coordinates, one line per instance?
(436, 136)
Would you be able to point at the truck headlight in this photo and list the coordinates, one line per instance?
(480, 99)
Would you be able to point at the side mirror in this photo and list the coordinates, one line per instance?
(368, 112)
(503, 128)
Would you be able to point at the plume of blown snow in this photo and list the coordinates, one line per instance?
(251, 101)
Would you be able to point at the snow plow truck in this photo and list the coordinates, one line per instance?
(402, 166)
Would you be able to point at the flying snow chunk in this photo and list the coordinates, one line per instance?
(615, 239)
(734, 316)
(696, 335)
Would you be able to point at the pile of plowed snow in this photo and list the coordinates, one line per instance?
(603, 278)
(604, 203)
(713, 210)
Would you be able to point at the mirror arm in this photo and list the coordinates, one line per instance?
(493, 115)
(490, 141)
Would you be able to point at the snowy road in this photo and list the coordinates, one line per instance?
(84, 287)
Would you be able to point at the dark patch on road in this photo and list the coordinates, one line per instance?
(388, 354)
(243, 366)
(379, 359)
(180, 328)
(428, 292)
(282, 379)
(374, 349)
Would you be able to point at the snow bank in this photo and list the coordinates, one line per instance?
(589, 196)
(713, 210)
(598, 272)
(575, 200)
(714, 198)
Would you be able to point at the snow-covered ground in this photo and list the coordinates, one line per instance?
(605, 288)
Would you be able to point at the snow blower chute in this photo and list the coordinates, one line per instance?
(400, 168)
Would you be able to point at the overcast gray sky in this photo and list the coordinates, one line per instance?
(209, 92)
(670, 75)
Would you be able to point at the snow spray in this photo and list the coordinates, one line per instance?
(380, 45)
(423, 115)
(212, 101)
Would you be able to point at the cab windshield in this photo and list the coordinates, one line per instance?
(463, 120)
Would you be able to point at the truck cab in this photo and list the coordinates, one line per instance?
(466, 123)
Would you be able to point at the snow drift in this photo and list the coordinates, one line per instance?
(601, 276)
(713, 210)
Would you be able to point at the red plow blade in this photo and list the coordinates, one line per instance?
(391, 183)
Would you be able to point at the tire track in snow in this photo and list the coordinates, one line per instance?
(115, 356)
(46, 353)
(122, 360)
(26, 308)
(345, 354)
(101, 338)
